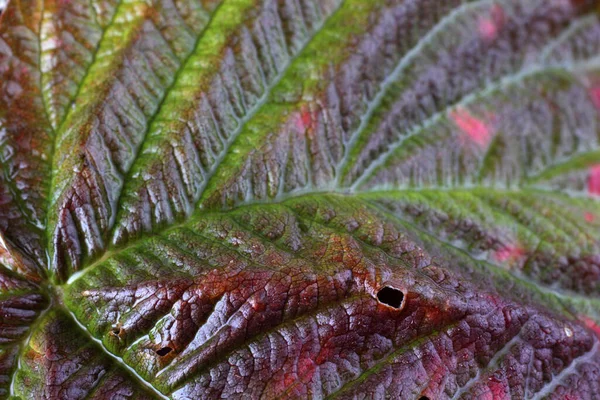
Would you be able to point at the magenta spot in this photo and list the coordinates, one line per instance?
(476, 129)
(304, 119)
(499, 389)
(589, 217)
(509, 253)
(488, 29)
(591, 324)
(594, 180)
(490, 25)
(595, 95)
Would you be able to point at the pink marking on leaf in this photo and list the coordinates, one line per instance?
(590, 323)
(589, 217)
(499, 389)
(594, 180)
(488, 29)
(509, 253)
(595, 95)
(303, 120)
(490, 26)
(476, 129)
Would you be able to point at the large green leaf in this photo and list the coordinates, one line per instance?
(300, 199)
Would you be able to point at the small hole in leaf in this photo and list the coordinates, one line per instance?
(390, 296)
(164, 351)
(116, 331)
(423, 398)
(98, 374)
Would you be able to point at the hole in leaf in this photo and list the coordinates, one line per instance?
(97, 375)
(164, 351)
(390, 296)
(423, 398)
(116, 330)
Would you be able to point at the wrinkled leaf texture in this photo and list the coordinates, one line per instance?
(359, 199)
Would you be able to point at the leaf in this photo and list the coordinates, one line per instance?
(61, 363)
(20, 303)
(300, 199)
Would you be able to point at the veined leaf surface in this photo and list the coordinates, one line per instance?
(300, 199)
